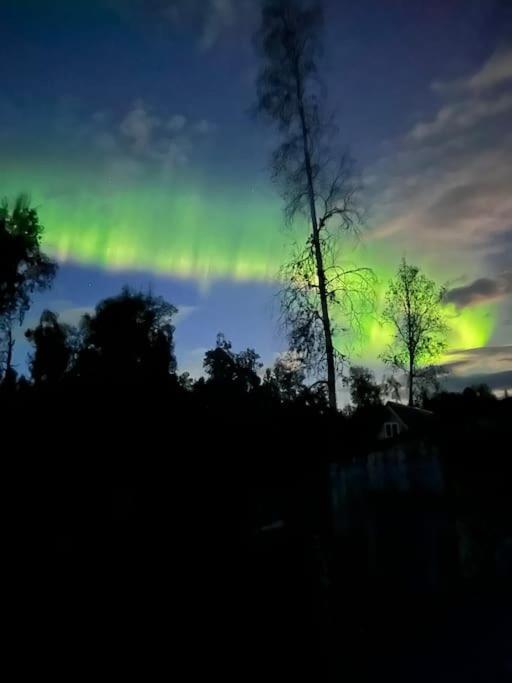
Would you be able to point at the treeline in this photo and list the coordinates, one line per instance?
(117, 372)
(128, 341)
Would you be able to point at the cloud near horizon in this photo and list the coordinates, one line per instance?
(489, 365)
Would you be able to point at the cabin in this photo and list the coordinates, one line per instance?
(397, 419)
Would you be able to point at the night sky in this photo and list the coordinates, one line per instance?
(128, 122)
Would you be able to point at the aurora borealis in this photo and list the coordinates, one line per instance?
(134, 140)
(193, 236)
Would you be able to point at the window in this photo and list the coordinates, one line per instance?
(391, 429)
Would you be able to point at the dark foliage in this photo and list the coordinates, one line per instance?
(364, 390)
(54, 349)
(24, 270)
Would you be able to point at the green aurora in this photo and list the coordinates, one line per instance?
(201, 234)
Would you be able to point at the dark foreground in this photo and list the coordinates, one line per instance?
(215, 552)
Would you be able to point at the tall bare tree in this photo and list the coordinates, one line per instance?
(414, 309)
(317, 181)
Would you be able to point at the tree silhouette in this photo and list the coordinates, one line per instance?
(129, 338)
(414, 309)
(248, 364)
(186, 382)
(391, 387)
(228, 370)
(24, 268)
(54, 347)
(364, 391)
(286, 380)
(317, 181)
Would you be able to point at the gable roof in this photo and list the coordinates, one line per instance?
(415, 419)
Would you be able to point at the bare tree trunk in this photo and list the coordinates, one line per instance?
(10, 342)
(10, 347)
(411, 382)
(322, 289)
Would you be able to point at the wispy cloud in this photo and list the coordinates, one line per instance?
(482, 290)
(461, 115)
(142, 138)
(496, 381)
(444, 193)
(204, 127)
(491, 365)
(447, 184)
(184, 312)
(209, 20)
(176, 123)
(489, 359)
(494, 72)
(138, 127)
(220, 16)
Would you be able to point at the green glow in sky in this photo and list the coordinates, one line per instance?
(202, 234)
(185, 235)
(472, 327)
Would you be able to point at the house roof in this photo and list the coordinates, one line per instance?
(415, 419)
